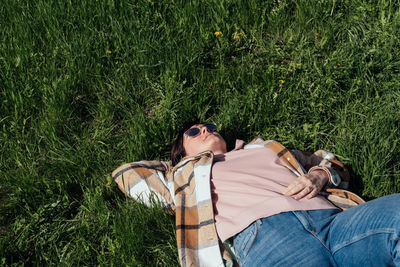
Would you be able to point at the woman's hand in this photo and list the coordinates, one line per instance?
(307, 185)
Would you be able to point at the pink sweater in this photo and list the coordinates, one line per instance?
(247, 184)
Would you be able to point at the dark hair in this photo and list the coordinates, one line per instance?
(177, 150)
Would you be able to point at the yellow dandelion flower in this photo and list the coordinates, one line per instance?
(109, 52)
(237, 37)
(282, 81)
(108, 183)
(217, 33)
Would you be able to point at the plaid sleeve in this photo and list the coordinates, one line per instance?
(145, 180)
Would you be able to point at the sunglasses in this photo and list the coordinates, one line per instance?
(195, 131)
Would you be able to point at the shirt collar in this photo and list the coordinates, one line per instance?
(239, 144)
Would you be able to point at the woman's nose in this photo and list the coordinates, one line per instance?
(204, 130)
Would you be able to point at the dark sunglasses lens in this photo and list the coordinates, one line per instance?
(211, 127)
(193, 132)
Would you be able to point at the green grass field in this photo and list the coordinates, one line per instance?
(88, 85)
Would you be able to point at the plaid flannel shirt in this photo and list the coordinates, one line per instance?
(185, 190)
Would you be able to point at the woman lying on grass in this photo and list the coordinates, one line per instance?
(273, 204)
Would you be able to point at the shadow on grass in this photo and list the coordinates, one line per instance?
(356, 184)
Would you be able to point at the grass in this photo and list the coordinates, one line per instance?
(88, 85)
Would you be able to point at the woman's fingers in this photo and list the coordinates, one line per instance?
(299, 186)
(302, 193)
(313, 193)
(304, 186)
(307, 193)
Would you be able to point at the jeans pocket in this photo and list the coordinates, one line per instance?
(245, 240)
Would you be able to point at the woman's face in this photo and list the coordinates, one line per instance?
(205, 140)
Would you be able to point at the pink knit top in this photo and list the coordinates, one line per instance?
(247, 184)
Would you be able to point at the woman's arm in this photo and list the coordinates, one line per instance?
(145, 180)
(322, 170)
(322, 160)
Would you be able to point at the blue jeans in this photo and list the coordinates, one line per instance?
(365, 235)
